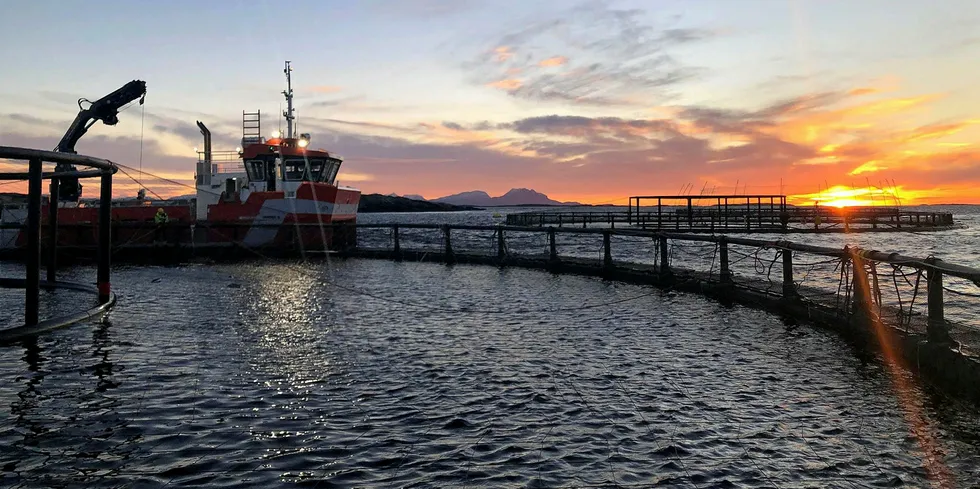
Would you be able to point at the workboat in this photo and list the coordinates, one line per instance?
(268, 192)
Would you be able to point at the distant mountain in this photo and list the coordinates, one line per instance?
(409, 196)
(515, 196)
(473, 197)
(393, 203)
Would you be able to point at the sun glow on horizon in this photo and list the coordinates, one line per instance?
(843, 196)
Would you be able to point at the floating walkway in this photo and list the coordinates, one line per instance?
(740, 214)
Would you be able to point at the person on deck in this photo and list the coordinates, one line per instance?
(160, 219)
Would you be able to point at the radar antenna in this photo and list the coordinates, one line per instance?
(288, 92)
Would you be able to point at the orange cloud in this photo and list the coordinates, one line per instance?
(862, 91)
(553, 61)
(809, 142)
(503, 53)
(324, 89)
(871, 166)
(506, 84)
(346, 176)
(878, 138)
(935, 131)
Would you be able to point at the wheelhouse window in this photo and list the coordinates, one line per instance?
(330, 172)
(316, 170)
(311, 170)
(294, 170)
(255, 170)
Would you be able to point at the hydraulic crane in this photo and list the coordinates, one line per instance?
(105, 109)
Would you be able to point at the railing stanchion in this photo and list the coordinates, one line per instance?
(501, 244)
(33, 286)
(53, 230)
(936, 328)
(447, 233)
(860, 292)
(105, 237)
(789, 288)
(553, 249)
(726, 273)
(664, 262)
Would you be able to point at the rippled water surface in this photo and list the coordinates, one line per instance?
(265, 374)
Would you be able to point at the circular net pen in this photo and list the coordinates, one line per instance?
(65, 173)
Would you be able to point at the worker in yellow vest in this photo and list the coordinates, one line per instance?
(160, 219)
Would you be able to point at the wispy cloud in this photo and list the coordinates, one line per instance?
(863, 91)
(38, 121)
(323, 89)
(338, 102)
(509, 84)
(346, 176)
(553, 61)
(421, 8)
(613, 56)
(502, 53)
(124, 150)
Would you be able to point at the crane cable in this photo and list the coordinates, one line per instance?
(124, 172)
(142, 118)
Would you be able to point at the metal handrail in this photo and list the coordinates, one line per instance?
(12, 334)
(36, 158)
(16, 153)
(960, 271)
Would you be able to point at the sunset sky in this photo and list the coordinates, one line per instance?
(588, 101)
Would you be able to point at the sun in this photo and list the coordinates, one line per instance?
(843, 196)
(839, 203)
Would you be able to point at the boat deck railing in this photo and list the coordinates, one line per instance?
(221, 168)
(219, 156)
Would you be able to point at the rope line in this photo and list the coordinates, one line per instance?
(142, 117)
(124, 172)
(964, 294)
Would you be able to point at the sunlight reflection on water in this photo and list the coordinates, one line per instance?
(262, 373)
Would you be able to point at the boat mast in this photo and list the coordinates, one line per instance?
(288, 92)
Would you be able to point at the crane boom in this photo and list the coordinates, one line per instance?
(105, 109)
